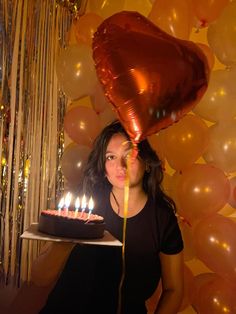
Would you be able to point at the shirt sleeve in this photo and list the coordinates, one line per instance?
(171, 239)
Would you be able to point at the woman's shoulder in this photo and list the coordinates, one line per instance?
(168, 227)
(163, 209)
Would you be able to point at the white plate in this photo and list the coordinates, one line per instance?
(32, 233)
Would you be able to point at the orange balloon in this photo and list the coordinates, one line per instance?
(86, 26)
(215, 244)
(155, 87)
(218, 297)
(107, 116)
(200, 281)
(82, 125)
(208, 53)
(221, 151)
(218, 103)
(202, 190)
(185, 141)
(174, 17)
(232, 198)
(208, 11)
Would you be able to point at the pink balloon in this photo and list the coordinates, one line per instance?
(217, 297)
(202, 190)
(215, 244)
(73, 161)
(232, 198)
(82, 125)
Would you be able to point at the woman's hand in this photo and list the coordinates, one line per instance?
(51, 260)
(172, 283)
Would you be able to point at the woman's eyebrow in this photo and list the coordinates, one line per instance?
(109, 152)
(113, 152)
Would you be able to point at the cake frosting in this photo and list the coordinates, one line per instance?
(71, 224)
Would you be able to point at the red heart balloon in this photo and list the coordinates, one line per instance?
(151, 78)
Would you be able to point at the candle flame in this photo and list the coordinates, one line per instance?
(84, 201)
(61, 203)
(91, 204)
(68, 199)
(77, 203)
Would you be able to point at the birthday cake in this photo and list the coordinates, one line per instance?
(71, 224)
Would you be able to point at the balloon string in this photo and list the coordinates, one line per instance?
(126, 200)
(184, 220)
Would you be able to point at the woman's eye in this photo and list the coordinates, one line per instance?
(110, 157)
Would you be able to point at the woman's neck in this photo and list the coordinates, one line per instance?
(134, 193)
(136, 201)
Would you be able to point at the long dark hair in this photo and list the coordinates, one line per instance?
(94, 178)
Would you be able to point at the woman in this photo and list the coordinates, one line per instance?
(90, 280)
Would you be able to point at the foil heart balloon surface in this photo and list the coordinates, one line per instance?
(151, 78)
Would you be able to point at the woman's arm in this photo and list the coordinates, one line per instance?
(51, 260)
(172, 283)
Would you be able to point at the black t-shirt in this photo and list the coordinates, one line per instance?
(90, 280)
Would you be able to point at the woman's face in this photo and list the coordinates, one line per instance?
(115, 164)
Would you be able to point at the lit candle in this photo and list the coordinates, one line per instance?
(67, 201)
(90, 206)
(77, 205)
(60, 205)
(83, 205)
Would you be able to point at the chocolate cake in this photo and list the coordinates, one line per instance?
(71, 224)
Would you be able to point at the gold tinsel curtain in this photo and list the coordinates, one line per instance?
(31, 124)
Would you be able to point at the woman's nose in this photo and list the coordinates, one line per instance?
(121, 163)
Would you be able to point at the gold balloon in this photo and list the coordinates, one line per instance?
(221, 36)
(174, 17)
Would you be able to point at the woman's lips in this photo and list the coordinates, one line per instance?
(120, 177)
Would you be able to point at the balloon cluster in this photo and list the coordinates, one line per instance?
(142, 69)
